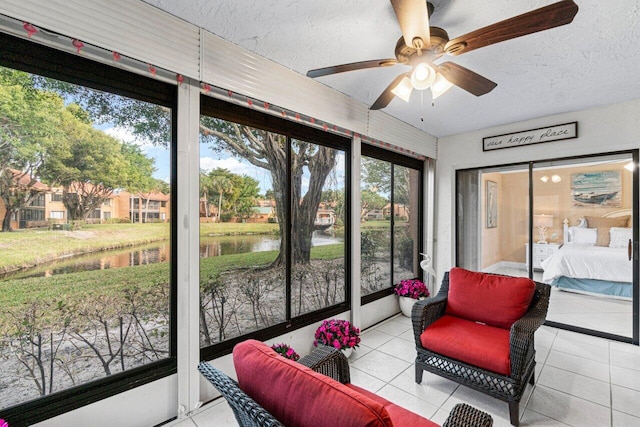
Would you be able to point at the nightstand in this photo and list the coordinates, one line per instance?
(541, 251)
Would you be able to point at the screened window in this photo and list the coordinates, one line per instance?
(38, 200)
(69, 328)
(389, 221)
(272, 224)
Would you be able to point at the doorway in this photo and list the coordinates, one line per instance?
(571, 223)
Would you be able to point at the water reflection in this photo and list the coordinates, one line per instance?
(211, 246)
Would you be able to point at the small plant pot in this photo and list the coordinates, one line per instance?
(406, 304)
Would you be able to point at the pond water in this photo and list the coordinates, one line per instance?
(211, 246)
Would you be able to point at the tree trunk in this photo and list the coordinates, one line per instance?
(303, 211)
(6, 221)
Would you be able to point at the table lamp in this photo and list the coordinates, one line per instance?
(543, 222)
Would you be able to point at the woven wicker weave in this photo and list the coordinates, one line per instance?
(507, 388)
(248, 413)
(464, 415)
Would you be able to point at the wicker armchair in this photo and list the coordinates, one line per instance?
(521, 350)
(327, 361)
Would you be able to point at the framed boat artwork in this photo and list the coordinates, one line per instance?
(596, 189)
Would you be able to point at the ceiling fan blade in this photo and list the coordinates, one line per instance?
(413, 18)
(385, 97)
(554, 15)
(466, 79)
(319, 72)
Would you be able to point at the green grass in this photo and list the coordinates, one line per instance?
(74, 287)
(224, 228)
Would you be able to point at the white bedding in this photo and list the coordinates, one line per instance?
(588, 262)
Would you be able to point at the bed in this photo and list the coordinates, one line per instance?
(589, 263)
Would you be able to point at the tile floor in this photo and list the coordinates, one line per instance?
(580, 381)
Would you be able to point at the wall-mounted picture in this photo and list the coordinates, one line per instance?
(492, 204)
(597, 189)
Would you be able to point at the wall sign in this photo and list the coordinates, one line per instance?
(533, 136)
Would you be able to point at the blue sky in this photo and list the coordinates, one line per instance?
(210, 160)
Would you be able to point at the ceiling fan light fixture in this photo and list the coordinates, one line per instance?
(423, 76)
(403, 89)
(440, 85)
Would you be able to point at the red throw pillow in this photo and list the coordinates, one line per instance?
(298, 396)
(488, 298)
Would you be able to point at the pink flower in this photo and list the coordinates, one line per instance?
(337, 333)
(285, 351)
(412, 288)
(3, 423)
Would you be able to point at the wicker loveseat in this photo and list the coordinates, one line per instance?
(274, 391)
(479, 331)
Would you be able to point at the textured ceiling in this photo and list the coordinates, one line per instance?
(593, 61)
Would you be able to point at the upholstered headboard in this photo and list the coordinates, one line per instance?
(583, 223)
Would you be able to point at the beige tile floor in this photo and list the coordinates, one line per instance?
(580, 381)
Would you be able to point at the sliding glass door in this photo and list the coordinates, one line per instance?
(571, 223)
(493, 217)
(583, 229)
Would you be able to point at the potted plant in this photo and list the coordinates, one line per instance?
(408, 291)
(286, 351)
(337, 333)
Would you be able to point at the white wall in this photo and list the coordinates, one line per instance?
(603, 129)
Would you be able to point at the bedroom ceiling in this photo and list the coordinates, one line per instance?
(592, 61)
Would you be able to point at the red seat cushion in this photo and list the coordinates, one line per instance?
(399, 415)
(488, 298)
(484, 346)
(298, 396)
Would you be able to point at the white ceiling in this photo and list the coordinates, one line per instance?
(593, 61)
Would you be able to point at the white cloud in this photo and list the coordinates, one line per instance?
(125, 135)
(234, 165)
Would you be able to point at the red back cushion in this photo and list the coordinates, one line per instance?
(487, 298)
(298, 396)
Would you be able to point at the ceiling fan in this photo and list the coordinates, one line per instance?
(421, 45)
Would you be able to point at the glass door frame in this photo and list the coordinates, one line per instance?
(635, 338)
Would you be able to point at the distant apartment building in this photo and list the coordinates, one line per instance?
(47, 207)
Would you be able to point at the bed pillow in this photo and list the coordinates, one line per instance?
(604, 236)
(620, 237)
(597, 221)
(584, 236)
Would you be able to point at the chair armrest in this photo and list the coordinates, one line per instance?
(522, 331)
(328, 361)
(464, 415)
(246, 410)
(425, 312)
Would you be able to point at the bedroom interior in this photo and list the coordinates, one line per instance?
(497, 211)
(585, 205)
